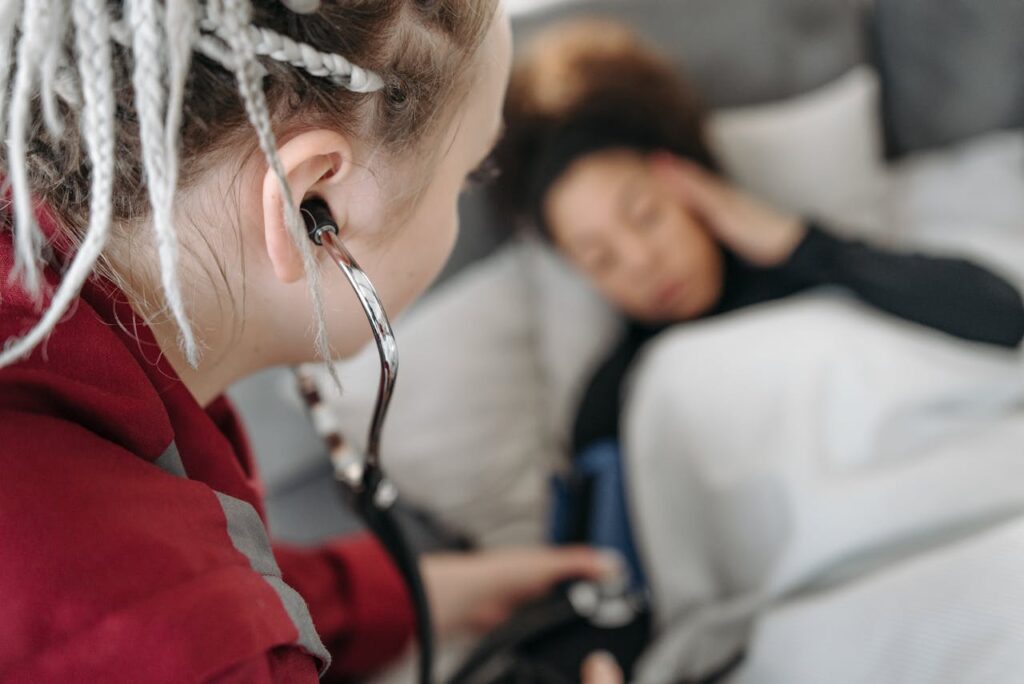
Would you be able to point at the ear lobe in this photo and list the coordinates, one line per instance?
(315, 163)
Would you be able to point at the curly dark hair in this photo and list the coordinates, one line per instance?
(581, 72)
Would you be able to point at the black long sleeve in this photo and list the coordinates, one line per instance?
(951, 295)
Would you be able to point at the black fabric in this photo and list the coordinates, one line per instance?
(564, 650)
(951, 295)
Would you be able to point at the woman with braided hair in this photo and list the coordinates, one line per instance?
(153, 161)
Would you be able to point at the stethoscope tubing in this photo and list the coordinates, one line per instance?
(361, 479)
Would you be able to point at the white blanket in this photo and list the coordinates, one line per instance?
(840, 492)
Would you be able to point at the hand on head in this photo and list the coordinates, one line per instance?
(753, 230)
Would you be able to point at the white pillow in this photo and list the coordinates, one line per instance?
(818, 154)
(464, 435)
(966, 200)
(576, 328)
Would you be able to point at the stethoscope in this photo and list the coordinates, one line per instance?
(367, 490)
(360, 477)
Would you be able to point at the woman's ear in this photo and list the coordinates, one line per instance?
(315, 163)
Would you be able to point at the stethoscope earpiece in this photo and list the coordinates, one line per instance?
(363, 483)
(318, 219)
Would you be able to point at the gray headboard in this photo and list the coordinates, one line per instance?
(950, 69)
(737, 52)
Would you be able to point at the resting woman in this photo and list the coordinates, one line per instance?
(151, 255)
(604, 152)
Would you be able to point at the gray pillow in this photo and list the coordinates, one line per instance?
(950, 69)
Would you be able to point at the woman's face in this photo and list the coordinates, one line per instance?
(634, 240)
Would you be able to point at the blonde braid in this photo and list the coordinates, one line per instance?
(9, 12)
(53, 63)
(92, 40)
(149, 49)
(28, 240)
(325, 64)
(232, 18)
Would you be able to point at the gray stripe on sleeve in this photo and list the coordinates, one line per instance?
(249, 536)
(170, 461)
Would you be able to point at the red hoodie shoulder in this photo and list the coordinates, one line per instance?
(120, 565)
(85, 372)
(124, 564)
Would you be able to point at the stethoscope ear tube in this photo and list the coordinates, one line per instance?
(382, 522)
(361, 479)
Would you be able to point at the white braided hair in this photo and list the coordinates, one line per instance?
(161, 37)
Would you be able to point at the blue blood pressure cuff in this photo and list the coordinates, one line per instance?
(589, 505)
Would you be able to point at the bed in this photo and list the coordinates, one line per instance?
(848, 501)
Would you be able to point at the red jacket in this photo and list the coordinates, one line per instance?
(115, 565)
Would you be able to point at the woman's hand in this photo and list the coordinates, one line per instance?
(478, 591)
(754, 231)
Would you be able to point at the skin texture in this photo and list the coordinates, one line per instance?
(646, 230)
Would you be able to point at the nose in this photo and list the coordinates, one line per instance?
(638, 256)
